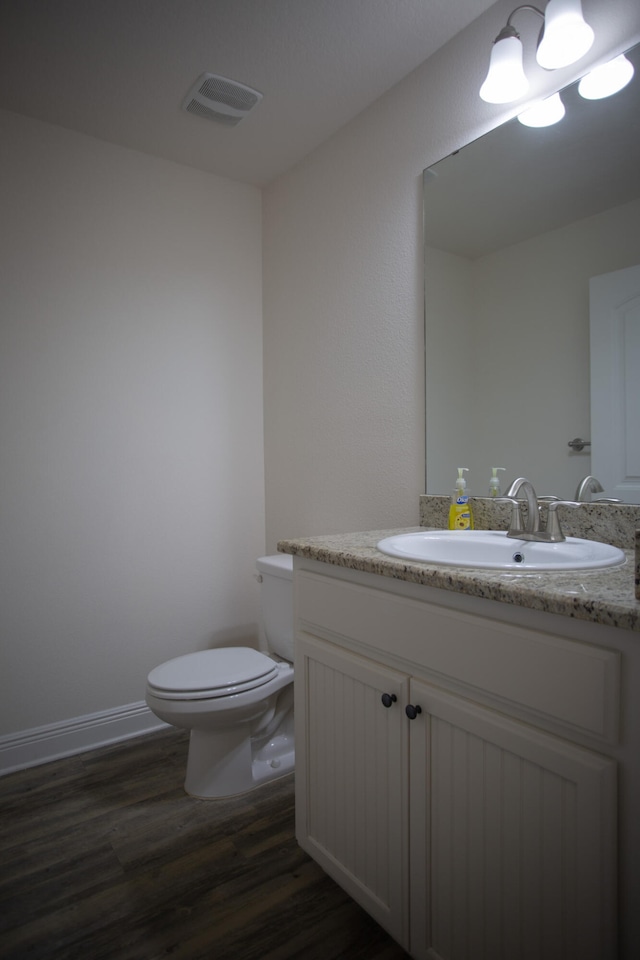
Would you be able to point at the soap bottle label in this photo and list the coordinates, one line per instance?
(460, 514)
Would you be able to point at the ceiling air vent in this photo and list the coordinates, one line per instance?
(217, 98)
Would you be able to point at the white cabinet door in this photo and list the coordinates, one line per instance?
(351, 776)
(517, 826)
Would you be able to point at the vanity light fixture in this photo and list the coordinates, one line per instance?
(564, 38)
(607, 79)
(543, 113)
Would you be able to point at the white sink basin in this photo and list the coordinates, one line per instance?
(493, 549)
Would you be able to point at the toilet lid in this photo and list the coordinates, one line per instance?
(212, 673)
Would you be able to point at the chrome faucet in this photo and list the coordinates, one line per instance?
(589, 485)
(551, 532)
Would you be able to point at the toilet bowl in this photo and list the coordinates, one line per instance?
(236, 701)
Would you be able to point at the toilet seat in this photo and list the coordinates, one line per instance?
(211, 673)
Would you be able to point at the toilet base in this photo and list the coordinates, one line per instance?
(219, 767)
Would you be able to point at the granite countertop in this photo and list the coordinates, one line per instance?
(605, 596)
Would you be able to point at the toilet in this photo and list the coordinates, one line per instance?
(236, 701)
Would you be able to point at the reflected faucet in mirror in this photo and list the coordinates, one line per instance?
(533, 529)
(589, 485)
(586, 487)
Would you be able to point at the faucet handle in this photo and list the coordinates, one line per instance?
(554, 530)
(516, 513)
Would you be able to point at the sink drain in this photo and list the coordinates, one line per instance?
(518, 557)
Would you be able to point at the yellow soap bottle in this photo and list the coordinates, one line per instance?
(460, 512)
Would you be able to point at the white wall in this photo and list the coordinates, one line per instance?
(344, 390)
(131, 486)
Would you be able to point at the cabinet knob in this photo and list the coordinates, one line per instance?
(388, 699)
(411, 711)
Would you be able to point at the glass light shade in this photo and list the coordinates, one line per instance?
(544, 113)
(606, 79)
(506, 80)
(566, 36)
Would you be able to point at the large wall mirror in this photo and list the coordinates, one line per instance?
(519, 226)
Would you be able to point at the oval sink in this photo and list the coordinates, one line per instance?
(493, 549)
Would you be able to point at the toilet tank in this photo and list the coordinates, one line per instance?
(277, 603)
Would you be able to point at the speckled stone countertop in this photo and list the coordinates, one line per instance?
(604, 596)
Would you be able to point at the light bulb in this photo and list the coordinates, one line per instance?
(506, 80)
(566, 36)
(544, 113)
(606, 79)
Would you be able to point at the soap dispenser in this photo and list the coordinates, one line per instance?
(460, 513)
(494, 482)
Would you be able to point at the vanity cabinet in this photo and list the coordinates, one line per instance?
(471, 825)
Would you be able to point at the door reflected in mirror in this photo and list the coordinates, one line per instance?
(517, 224)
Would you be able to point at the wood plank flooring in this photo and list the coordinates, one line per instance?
(104, 856)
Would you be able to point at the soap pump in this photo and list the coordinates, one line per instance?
(460, 513)
(494, 482)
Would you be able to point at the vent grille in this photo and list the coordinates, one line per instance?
(232, 94)
(194, 106)
(217, 98)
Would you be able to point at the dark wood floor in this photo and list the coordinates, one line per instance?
(104, 856)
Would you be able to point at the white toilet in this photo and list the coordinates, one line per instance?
(236, 701)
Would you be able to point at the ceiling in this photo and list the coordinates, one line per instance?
(120, 69)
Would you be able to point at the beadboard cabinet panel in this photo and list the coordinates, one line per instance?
(517, 827)
(351, 777)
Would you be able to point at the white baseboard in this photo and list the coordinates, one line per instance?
(28, 748)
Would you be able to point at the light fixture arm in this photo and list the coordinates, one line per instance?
(524, 6)
(509, 30)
